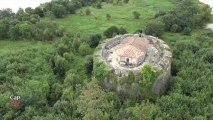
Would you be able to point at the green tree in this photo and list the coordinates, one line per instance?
(187, 31)
(29, 10)
(58, 10)
(111, 31)
(60, 66)
(122, 31)
(148, 76)
(155, 28)
(100, 70)
(55, 93)
(39, 11)
(72, 80)
(6, 13)
(84, 49)
(3, 30)
(87, 11)
(94, 40)
(25, 30)
(93, 102)
(89, 65)
(144, 111)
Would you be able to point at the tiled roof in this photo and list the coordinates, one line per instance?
(132, 47)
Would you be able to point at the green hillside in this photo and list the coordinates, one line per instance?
(120, 16)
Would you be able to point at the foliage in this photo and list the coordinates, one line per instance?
(112, 31)
(136, 15)
(91, 98)
(53, 83)
(148, 77)
(155, 28)
(186, 17)
(58, 10)
(99, 70)
(94, 40)
(87, 11)
(108, 16)
(144, 111)
(89, 65)
(187, 31)
(84, 49)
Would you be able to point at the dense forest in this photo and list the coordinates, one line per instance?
(60, 82)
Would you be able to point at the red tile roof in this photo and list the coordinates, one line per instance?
(132, 47)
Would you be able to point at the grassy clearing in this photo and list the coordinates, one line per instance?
(121, 16)
(9, 46)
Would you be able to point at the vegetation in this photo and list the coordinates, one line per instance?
(136, 15)
(57, 78)
(154, 28)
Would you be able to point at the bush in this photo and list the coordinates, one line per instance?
(136, 15)
(149, 77)
(108, 16)
(94, 40)
(125, 1)
(122, 31)
(112, 31)
(99, 5)
(187, 31)
(87, 12)
(139, 31)
(58, 10)
(89, 65)
(208, 57)
(174, 28)
(155, 28)
(84, 49)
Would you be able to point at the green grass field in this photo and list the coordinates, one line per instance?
(120, 16)
(8, 46)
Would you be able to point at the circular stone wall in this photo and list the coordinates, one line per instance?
(158, 56)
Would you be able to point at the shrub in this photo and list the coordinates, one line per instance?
(87, 12)
(187, 31)
(89, 65)
(139, 31)
(108, 16)
(111, 31)
(155, 28)
(122, 31)
(136, 15)
(125, 1)
(84, 49)
(99, 5)
(148, 77)
(174, 28)
(58, 10)
(94, 40)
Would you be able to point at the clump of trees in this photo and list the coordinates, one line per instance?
(155, 28)
(181, 19)
(24, 26)
(184, 18)
(112, 31)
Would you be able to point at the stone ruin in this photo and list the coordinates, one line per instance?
(158, 56)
